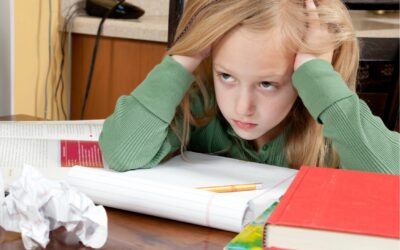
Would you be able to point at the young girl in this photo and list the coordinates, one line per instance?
(267, 81)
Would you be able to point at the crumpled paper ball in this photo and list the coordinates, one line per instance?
(35, 206)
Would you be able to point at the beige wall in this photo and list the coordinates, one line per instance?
(31, 57)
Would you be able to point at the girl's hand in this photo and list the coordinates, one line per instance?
(316, 37)
(191, 62)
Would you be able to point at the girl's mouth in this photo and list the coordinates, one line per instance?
(244, 125)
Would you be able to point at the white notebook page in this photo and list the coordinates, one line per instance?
(168, 190)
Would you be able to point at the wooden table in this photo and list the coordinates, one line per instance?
(127, 230)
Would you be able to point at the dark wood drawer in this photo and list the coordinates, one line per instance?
(376, 101)
(376, 76)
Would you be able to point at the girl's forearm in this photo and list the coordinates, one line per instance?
(188, 62)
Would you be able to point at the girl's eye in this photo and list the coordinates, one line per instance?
(226, 77)
(266, 85)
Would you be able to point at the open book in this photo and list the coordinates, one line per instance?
(51, 146)
(169, 189)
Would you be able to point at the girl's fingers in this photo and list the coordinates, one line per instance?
(310, 5)
(317, 36)
(311, 8)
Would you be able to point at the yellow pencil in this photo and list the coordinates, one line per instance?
(232, 188)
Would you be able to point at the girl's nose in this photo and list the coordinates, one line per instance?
(245, 104)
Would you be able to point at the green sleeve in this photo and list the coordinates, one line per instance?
(361, 139)
(137, 134)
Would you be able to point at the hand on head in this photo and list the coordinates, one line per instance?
(316, 37)
(191, 62)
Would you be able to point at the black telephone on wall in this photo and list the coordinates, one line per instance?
(124, 10)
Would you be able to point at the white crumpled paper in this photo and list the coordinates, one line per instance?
(35, 206)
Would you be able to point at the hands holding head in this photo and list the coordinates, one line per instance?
(191, 62)
(316, 37)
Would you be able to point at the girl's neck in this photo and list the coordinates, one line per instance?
(270, 135)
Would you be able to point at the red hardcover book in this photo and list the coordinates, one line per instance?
(337, 209)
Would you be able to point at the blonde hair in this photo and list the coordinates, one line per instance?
(204, 22)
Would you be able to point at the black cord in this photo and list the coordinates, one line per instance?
(60, 81)
(89, 80)
(49, 62)
(70, 15)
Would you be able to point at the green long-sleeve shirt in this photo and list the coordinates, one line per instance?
(137, 134)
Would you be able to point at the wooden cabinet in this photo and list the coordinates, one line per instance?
(378, 78)
(120, 66)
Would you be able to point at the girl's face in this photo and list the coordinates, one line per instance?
(252, 79)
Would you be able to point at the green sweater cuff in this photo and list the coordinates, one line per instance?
(319, 86)
(163, 89)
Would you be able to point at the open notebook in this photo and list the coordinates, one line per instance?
(168, 190)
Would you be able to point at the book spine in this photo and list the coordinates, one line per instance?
(285, 200)
(281, 207)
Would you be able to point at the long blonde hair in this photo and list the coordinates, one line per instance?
(204, 22)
